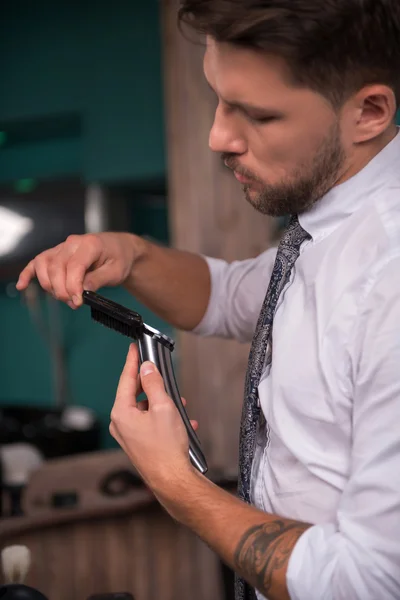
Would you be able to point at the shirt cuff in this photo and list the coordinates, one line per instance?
(208, 326)
(308, 577)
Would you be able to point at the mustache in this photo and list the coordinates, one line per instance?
(231, 161)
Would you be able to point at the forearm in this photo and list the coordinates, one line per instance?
(256, 545)
(173, 284)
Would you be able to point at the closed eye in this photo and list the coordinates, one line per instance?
(257, 119)
(261, 120)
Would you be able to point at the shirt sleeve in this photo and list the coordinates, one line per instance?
(237, 293)
(358, 556)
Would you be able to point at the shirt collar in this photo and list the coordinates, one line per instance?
(344, 199)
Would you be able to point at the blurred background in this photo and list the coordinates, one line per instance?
(82, 148)
(104, 123)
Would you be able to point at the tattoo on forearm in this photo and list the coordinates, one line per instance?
(265, 549)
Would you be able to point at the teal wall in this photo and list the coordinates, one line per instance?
(94, 354)
(80, 95)
(95, 357)
(81, 90)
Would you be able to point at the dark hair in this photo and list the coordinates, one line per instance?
(335, 47)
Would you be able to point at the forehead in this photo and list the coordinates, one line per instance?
(241, 75)
(235, 71)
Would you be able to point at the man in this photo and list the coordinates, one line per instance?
(307, 97)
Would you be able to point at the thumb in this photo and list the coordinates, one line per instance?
(153, 384)
(127, 387)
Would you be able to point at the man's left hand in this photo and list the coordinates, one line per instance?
(153, 436)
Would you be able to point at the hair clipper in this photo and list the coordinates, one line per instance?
(153, 346)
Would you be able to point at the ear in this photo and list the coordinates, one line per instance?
(375, 109)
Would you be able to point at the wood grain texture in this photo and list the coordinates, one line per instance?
(145, 553)
(106, 544)
(208, 215)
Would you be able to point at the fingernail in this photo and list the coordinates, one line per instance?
(71, 305)
(147, 368)
(76, 300)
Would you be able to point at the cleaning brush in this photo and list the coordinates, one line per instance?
(15, 562)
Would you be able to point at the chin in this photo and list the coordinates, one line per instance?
(253, 198)
(275, 210)
(251, 193)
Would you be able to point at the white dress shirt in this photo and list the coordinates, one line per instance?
(332, 394)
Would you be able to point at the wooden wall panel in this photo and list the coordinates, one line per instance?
(105, 543)
(146, 553)
(208, 215)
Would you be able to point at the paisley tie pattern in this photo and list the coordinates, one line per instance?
(260, 355)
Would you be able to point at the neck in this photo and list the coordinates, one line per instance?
(366, 153)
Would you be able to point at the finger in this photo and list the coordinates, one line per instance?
(26, 276)
(84, 257)
(153, 385)
(42, 274)
(57, 267)
(38, 267)
(195, 425)
(183, 401)
(107, 274)
(74, 277)
(126, 392)
(57, 274)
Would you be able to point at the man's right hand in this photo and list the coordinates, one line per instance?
(87, 262)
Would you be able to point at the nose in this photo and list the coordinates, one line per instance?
(224, 136)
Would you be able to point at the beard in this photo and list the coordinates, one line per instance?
(310, 182)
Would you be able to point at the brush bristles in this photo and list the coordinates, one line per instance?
(15, 561)
(112, 323)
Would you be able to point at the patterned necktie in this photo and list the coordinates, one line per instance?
(260, 355)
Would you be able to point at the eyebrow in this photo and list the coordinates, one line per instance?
(251, 108)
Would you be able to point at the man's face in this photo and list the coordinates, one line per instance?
(283, 143)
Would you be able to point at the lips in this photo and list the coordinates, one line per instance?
(241, 178)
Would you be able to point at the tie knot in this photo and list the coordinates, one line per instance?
(294, 235)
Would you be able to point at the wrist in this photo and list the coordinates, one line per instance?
(139, 250)
(176, 490)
